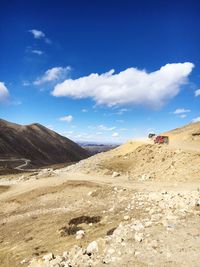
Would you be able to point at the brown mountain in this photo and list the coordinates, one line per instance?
(38, 144)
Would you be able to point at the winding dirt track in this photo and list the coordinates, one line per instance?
(21, 166)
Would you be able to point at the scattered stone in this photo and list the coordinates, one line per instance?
(144, 177)
(126, 217)
(80, 234)
(137, 226)
(24, 261)
(115, 174)
(92, 247)
(48, 257)
(138, 237)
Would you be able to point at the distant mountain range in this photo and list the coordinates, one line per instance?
(97, 148)
(38, 144)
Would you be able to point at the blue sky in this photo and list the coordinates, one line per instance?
(103, 71)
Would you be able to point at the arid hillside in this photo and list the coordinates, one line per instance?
(144, 160)
(38, 144)
(187, 137)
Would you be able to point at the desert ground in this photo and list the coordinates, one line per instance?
(136, 205)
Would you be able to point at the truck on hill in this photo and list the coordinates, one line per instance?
(161, 139)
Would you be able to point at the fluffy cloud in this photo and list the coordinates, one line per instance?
(196, 119)
(3, 92)
(37, 34)
(197, 92)
(181, 111)
(53, 74)
(67, 118)
(131, 86)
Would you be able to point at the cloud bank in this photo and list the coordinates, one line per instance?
(4, 93)
(131, 86)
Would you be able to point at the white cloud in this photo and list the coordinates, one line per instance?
(115, 135)
(181, 111)
(84, 110)
(67, 118)
(37, 52)
(196, 119)
(105, 128)
(37, 34)
(131, 86)
(4, 93)
(197, 92)
(53, 74)
(121, 111)
(182, 116)
(25, 83)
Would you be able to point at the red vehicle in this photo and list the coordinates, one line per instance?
(161, 139)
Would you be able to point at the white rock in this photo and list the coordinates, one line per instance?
(66, 254)
(137, 226)
(56, 262)
(126, 217)
(138, 237)
(136, 253)
(148, 223)
(111, 251)
(144, 177)
(80, 234)
(92, 247)
(115, 174)
(24, 261)
(48, 257)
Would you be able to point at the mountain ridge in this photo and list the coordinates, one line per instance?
(37, 143)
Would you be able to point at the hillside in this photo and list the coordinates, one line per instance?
(144, 160)
(187, 137)
(189, 132)
(38, 144)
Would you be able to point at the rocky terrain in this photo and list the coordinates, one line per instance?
(136, 205)
(37, 144)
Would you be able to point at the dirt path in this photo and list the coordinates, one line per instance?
(121, 181)
(21, 166)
